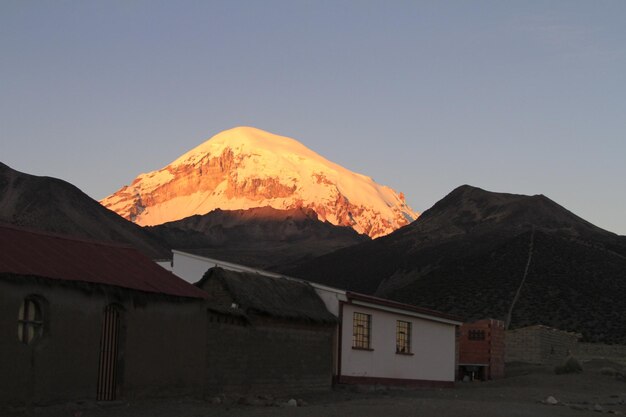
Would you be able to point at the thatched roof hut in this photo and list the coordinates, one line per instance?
(283, 298)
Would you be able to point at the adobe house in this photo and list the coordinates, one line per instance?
(86, 320)
(266, 334)
(481, 350)
(376, 341)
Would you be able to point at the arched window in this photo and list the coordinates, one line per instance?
(29, 321)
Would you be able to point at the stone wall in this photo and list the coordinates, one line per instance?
(267, 356)
(589, 351)
(539, 345)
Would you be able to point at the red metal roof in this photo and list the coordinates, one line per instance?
(52, 256)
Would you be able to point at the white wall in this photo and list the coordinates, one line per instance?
(330, 297)
(165, 264)
(432, 345)
(189, 267)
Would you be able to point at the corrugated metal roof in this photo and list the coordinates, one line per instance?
(26, 252)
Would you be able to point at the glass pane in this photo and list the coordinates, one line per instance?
(20, 315)
(30, 323)
(403, 336)
(31, 311)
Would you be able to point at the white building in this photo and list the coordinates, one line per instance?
(378, 340)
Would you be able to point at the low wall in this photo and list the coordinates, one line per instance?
(547, 346)
(589, 351)
(267, 356)
(539, 345)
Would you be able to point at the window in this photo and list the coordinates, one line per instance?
(361, 327)
(29, 321)
(403, 337)
(476, 335)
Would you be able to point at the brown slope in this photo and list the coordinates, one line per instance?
(467, 255)
(262, 237)
(53, 205)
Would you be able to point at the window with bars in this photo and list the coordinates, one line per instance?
(361, 329)
(476, 335)
(403, 336)
(29, 321)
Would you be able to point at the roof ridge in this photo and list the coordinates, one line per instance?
(57, 235)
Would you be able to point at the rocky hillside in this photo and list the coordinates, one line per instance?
(261, 237)
(244, 168)
(481, 254)
(53, 205)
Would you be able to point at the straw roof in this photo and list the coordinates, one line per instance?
(276, 297)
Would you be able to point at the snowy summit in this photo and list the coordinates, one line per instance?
(245, 167)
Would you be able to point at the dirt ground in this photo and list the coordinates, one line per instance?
(597, 390)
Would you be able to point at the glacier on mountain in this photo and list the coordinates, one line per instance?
(245, 167)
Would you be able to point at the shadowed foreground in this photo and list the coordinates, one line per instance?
(520, 394)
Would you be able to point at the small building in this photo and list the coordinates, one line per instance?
(266, 334)
(377, 340)
(390, 343)
(540, 344)
(481, 350)
(87, 320)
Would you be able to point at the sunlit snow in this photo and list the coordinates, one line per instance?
(260, 157)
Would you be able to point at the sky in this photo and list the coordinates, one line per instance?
(523, 97)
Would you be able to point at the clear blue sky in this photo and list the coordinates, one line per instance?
(523, 97)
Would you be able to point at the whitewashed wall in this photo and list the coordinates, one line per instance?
(189, 267)
(432, 345)
(331, 297)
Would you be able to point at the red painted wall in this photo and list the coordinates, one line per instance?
(482, 342)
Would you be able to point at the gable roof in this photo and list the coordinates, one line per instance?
(25, 252)
(271, 296)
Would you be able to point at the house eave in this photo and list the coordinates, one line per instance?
(404, 312)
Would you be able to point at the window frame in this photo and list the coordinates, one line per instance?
(361, 331)
(476, 335)
(30, 320)
(406, 337)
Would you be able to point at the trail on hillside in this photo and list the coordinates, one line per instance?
(521, 285)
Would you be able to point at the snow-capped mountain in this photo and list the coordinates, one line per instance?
(245, 167)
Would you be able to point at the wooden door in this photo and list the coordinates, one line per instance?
(109, 350)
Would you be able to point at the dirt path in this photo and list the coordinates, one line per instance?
(520, 394)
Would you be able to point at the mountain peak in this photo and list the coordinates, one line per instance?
(469, 208)
(245, 137)
(246, 167)
(483, 254)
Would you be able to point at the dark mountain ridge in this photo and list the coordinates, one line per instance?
(262, 237)
(53, 205)
(467, 255)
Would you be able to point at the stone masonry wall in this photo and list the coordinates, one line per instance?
(522, 346)
(267, 357)
(540, 345)
(589, 351)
